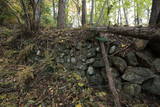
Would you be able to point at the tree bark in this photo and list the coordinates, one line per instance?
(61, 14)
(109, 75)
(27, 19)
(137, 32)
(137, 15)
(36, 14)
(92, 12)
(155, 13)
(101, 13)
(125, 13)
(54, 9)
(119, 14)
(84, 12)
(32, 13)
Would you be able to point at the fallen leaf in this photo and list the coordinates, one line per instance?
(101, 94)
(80, 84)
(79, 105)
(123, 45)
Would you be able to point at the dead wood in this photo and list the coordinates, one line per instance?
(109, 74)
(137, 32)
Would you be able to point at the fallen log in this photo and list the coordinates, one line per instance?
(109, 74)
(146, 33)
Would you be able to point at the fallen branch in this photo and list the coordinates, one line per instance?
(109, 74)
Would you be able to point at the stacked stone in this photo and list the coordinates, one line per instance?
(138, 70)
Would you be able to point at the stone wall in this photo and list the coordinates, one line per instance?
(135, 70)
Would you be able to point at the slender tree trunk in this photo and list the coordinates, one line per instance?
(14, 12)
(36, 13)
(32, 13)
(92, 12)
(61, 14)
(54, 10)
(148, 14)
(155, 13)
(84, 12)
(101, 12)
(137, 16)
(27, 19)
(120, 15)
(125, 13)
(119, 19)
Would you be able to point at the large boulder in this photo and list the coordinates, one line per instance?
(140, 44)
(152, 85)
(144, 60)
(119, 63)
(131, 59)
(137, 75)
(154, 46)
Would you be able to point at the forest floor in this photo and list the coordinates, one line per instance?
(25, 83)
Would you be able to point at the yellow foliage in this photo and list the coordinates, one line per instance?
(123, 45)
(79, 105)
(75, 75)
(101, 94)
(80, 84)
(24, 75)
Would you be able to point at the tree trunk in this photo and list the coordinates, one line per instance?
(32, 13)
(125, 13)
(92, 12)
(155, 13)
(101, 12)
(120, 15)
(37, 14)
(148, 14)
(137, 32)
(27, 19)
(137, 16)
(61, 14)
(54, 10)
(84, 12)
